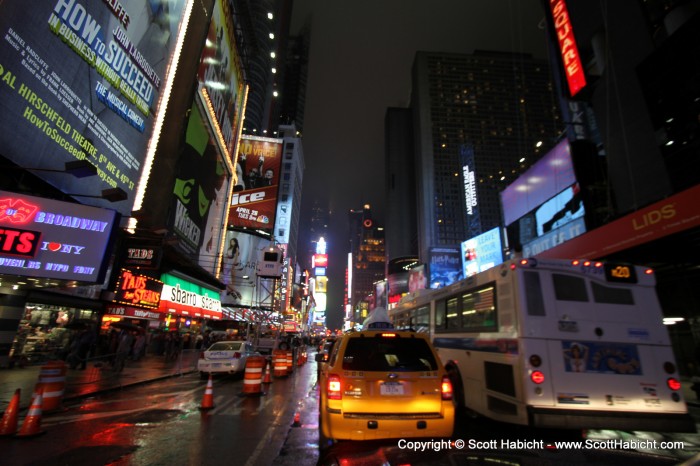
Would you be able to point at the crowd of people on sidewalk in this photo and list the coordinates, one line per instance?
(118, 346)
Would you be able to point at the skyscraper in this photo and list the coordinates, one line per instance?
(477, 121)
(367, 263)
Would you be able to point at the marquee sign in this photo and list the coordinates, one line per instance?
(138, 290)
(52, 239)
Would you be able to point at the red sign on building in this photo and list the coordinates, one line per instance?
(567, 46)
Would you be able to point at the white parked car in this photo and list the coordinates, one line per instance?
(225, 357)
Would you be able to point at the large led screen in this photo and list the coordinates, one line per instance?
(547, 177)
(254, 200)
(482, 252)
(53, 239)
(82, 80)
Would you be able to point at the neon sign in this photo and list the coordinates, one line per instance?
(567, 46)
(57, 239)
(138, 290)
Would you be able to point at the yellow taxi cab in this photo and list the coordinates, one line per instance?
(381, 383)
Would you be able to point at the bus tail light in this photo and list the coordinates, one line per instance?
(333, 387)
(673, 384)
(537, 377)
(446, 388)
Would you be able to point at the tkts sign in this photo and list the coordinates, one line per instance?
(138, 290)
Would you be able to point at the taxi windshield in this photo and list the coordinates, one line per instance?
(388, 354)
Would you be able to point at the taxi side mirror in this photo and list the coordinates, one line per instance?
(319, 357)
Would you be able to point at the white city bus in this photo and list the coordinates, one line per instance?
(555, 344)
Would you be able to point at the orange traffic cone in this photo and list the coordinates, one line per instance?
(208, 398)
(267, 378)
(297, 419)
(8, 425)
(31, 427)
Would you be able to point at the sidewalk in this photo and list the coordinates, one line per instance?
(97, 378)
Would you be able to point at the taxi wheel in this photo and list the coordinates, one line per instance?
(457, 388)
(324, 443)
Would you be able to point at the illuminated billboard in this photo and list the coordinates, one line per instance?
(254, 200)
(238, 269)
(445, 267)
(471, 196)
(482, 252)
(201, 188)
(417, 279)
(220, 77)
(570, 57)
(547, 205)
(52, 239)
(134, 289)
(83, 81)
(183, 297)
(553, 173)
(319, 260)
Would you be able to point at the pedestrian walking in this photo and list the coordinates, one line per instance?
(126, 341)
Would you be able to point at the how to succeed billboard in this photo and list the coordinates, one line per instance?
(82, 81)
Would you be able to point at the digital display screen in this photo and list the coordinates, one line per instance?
(52, 239)
(620, 273)
(482, 252)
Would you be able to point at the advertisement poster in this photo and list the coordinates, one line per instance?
(221, 77)
(201, 187)
(605, 358)
(417, 278)
(82, 80)
(254, 200)
(445, 267)
(241, 253)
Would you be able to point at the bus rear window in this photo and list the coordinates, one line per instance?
(569, 288)
(611, 295)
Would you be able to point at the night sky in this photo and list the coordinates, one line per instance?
(359, 65)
